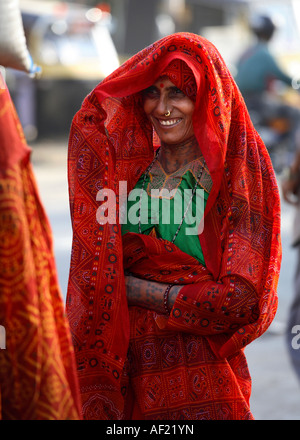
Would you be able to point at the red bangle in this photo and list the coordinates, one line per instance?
(166, 299)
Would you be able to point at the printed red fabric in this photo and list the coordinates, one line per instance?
(38, 378)
(181, 75)
(202, 371)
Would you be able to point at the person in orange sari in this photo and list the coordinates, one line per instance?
(38, 378)
(161, 316)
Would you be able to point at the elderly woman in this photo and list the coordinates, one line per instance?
(160, 310)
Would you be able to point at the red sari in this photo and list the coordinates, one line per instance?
(191, 365)
(38, 379)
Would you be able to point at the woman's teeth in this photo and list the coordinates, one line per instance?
(169, 121)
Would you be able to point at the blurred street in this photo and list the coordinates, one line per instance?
(276, 391)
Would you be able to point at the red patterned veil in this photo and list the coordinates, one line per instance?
(233, 299)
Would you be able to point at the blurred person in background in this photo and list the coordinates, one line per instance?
(160, 317)
(38, 379)
(257, 69)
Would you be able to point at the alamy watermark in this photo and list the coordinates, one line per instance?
(160, 207)
(2, 78)
(2, 337)
(295, 342)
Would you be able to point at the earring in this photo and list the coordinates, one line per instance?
(167, 114)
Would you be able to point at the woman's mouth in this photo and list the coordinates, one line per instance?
(169, 122)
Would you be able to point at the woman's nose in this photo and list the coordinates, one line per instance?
(162, 105)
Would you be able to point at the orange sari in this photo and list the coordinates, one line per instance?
(38, 379)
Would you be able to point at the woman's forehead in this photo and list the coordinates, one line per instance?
(164, 82)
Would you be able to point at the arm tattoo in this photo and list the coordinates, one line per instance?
(149, 294)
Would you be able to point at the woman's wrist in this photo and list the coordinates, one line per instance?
(172, 295)
(145, 293)
(152, 295)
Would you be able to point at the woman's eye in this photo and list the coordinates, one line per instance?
(150, 92)
(176, 92)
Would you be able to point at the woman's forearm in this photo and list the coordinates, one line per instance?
(149, 294)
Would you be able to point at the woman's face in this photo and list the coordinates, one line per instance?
(164, 96)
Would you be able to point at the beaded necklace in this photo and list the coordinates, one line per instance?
(188, 205)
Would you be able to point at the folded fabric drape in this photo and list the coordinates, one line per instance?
(38, 378)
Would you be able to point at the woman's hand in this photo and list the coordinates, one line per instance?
(149, 294)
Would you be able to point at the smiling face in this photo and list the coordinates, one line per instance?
(164, 96)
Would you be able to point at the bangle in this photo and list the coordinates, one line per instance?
(166, 299)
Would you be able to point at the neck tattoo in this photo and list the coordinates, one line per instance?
(173, 157)
(146, 174)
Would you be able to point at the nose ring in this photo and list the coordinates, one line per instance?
(167, 114)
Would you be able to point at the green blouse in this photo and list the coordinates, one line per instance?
(161, 213)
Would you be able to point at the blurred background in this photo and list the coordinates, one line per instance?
(77, 44)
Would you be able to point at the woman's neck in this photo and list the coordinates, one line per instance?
(173, 157)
